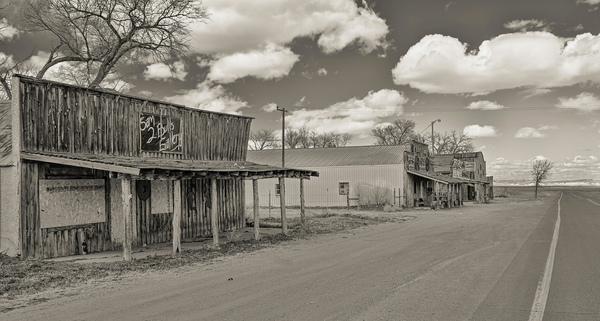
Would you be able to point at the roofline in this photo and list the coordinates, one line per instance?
(101, 91)
(320, 148)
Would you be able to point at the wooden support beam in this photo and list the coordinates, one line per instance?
(255, 208)
(450, 200)
(213, 212)
(437, 194)
(127, 235)
(282, 202)
(302, 216)
(176, 217)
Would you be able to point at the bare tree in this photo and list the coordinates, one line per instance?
(540, 170)
(331, 139)
(295, 138)
(102, 33)
(262, 139)
(401, 131)
(9, 67)
(449, 142)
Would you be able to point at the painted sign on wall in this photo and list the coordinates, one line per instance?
(160, 133)
(66, 202)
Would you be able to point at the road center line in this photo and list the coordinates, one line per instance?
(541, 295)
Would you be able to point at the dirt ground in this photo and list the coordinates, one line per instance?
(520, 198)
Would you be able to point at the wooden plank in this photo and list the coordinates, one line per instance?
(302, 215)
(282, 204)
(255, 204)
(126, 196)
(81, 163)
(213, 212)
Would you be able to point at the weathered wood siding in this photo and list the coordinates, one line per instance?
(5, 132)
(62, 118)
(51, 242)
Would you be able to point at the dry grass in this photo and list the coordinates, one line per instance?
(32, 276)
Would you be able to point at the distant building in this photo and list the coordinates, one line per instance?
(470, 166)
(400, 175)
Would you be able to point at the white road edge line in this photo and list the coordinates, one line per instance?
(541, 295)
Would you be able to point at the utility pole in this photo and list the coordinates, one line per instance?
(432, 137)
(283, 111)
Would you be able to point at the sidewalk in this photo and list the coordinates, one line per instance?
(140, 252)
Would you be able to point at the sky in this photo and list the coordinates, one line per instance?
(521, 78)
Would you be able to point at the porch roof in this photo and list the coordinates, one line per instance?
(444, 179)
(149, 168)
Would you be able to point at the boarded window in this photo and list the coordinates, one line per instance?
(161, 197)
(72, 202)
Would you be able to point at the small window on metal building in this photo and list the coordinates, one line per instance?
(277, 189)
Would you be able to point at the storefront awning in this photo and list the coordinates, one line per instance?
(444, 179)
(149, 168)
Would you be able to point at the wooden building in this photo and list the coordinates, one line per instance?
(470, 166)
(85, 171)
(398, 175)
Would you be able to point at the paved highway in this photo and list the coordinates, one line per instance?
(479, 262)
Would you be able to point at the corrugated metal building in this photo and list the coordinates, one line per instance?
(374, 170)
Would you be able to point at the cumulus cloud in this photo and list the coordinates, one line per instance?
(526, 25)
(161, 71)
(7, 32)
(485, 105)
(590, 2)
(530, 132)
(532, 92)
(272, 62)
(475, 131)
(354, 116)
(442, 64)
(209, 97)
(241, 26)
(572, 168)
(269, 108)
(584, 102)
(322, 72)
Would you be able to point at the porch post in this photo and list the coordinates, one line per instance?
(302, 217)
(176, 216)
(126, 195)
(450, 195)
(213, 211)
(282, 203)
(437, 194)
(255, 209)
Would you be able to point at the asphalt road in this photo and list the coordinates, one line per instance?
(479, 262)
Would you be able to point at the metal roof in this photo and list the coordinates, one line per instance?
(338, 156)
(149, 167)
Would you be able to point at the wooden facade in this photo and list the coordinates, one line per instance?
(89, 148)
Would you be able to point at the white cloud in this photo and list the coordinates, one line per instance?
(7, 32)
(322, 72)
(209, 97)
(579, 160)
(583, 102)
(269, 108)
(485, 105)
(590, 2)
(529, 132)
(532, 92)
(161, 71)
(300, 102)
(354, 116)
(475, 131)
(526, 25)
(442, 64)
(240, 26)
(270, 63)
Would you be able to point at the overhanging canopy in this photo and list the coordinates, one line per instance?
(149, 168)
(439, 178)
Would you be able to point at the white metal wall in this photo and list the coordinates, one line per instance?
(323, 191)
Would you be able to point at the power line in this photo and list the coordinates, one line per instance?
(445, 109)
